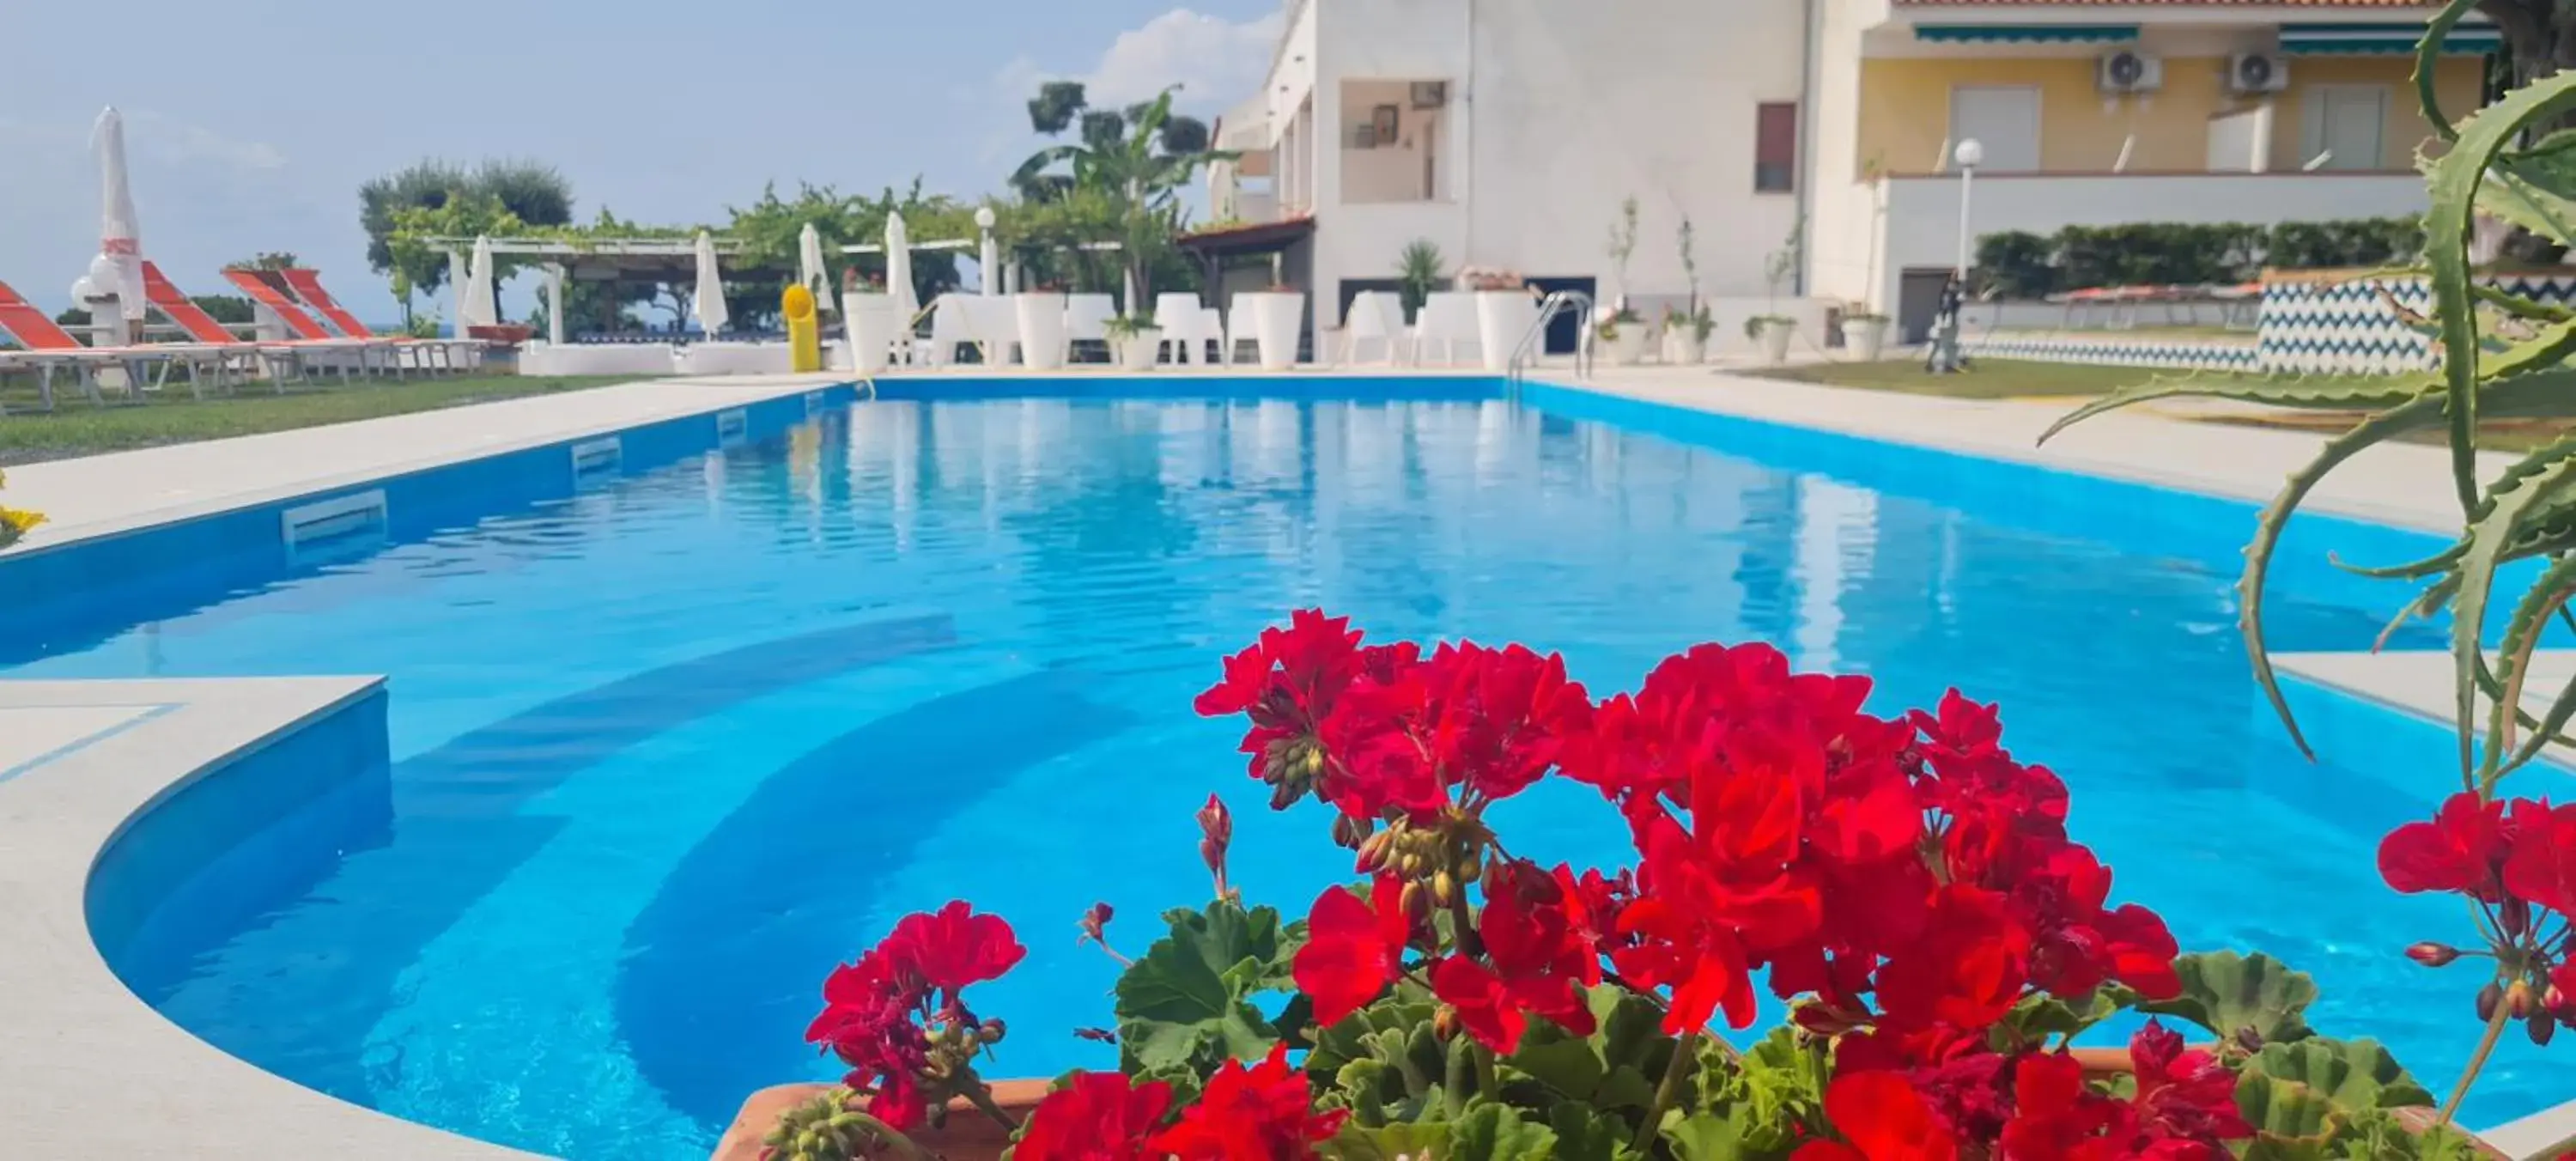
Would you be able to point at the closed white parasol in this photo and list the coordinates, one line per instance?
(712, 315)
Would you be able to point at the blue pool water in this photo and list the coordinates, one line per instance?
(666, 746)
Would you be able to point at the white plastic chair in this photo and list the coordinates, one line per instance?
(1375, 316)
(1086, 318)
(1448, 318)
(1233, 328)
(952, 321)
(1184, 325)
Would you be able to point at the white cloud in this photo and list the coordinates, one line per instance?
(1217, 62)
(174, 142)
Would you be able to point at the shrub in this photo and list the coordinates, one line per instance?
(2018, 264)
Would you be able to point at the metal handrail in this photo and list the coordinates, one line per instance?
(1556, 303)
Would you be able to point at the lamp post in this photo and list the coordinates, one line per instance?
(1945, 357)
(986, 254)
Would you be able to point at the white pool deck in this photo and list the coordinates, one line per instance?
(91, 1071)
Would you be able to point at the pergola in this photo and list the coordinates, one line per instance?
(664, 260)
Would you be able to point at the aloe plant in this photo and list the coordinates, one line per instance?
(2502, 356)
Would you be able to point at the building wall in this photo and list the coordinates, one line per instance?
(1845, 245)
(1560, 112)
(1905, 108)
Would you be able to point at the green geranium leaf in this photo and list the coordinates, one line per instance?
(1706, 1137)
(2291, 1122)
(2350, 1074)
(2230, 994)
(1496, 1132)
(1184, 1006)
(2041, 1015)
(1570, 1066)
(1584, 1134)
(1357, 1142)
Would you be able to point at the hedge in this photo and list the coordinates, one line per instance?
(2017, 264)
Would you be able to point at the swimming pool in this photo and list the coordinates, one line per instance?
(670, 737)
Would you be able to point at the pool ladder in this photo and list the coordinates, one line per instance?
(1534, 340)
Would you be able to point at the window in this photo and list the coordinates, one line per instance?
(2004, 122)
(1775, 147)
(2342, 124)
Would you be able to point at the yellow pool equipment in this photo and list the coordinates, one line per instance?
(804, 337)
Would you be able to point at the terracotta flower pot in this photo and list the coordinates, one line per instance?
(968, 1136)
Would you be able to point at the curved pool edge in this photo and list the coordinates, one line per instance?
(91, 1068)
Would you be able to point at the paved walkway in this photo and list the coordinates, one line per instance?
(121, 491)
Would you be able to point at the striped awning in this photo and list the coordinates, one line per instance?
(2381, 39)
(2026, 33)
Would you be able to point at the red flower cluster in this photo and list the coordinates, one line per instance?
(1382, 732)
(2517, 862)
(1753, 795)
(1099, 1116)
(2184, 1106)
(1261, 1113)
(889, 1014)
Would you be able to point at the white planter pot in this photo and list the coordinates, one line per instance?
(872, 329)
(1625, 345)
(1684, 348)
(1277, 316)
(1042, 342)
(1136, 352)
(1775, 341)
(1503, 318)
(1867, 336)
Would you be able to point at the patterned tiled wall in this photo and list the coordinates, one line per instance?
(2317, 323)
(2115, 350)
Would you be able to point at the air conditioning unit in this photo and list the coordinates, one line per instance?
(2129, 72)
(2257, 72)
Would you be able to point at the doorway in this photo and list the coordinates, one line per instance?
(1565, 331)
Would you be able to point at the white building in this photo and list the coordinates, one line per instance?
(1508, 132)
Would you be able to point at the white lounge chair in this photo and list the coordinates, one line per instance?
(1232, 326)
(1184, 325)
(1375, 316)
(997, 327)
(952, 321)
(1086, 320)
(1448, 318)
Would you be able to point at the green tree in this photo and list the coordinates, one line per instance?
(268, 260)
(1136, 159)
(535, 195)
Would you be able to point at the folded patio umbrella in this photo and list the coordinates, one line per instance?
(898, 247)
(120, 241)
(710, 298)
(810, 269)
(474, 305)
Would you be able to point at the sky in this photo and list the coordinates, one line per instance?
(250, 124)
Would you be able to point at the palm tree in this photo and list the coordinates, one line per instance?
(1139, 157)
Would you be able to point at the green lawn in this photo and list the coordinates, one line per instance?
(1988, 379)
(76, 428)
(2017, 379)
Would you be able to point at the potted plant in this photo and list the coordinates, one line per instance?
(1621, 332)
(1906, 883)
(1506, 312)
(1135, 340)
(1686, 334)
(869, 314)
(1867, 334)
(1417, 273)
(1041, 320)
(1771, 330)
(1278, 321)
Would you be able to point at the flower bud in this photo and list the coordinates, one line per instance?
(1374, 848)
(1444, 889)
(1444, 1023)
(1417, 902)
(1348, 831)
(1095, 923)
(2519, 1003)
(2432, 954)
(2541, 1027)
(2490, 997)
(2554, 1001)
(990, 1032)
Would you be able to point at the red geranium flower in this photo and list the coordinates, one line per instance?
(2541, 867)
(1884, 1119)
(1966, 971)
(1262, 1113)
(2183, 1095)
(1353, 949)
(954, 947)
(2462, 849)
(1098, 1117)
